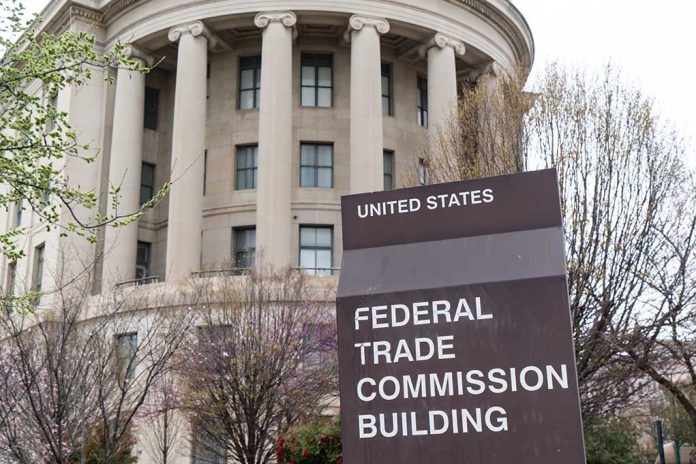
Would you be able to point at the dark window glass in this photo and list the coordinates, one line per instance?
(206, 452)
(11, 278)
(244, 247)
(207, 90)
(317, 80)
(423, 177)
(147, 182)
(247, 166)
(151, 104)
(127, 350)
(19, 207)
(388, 169)
(37, 274)
(316, 165)
(422, 101)
(143, 260)
(249, 82)
(316, 250)
(386, 89)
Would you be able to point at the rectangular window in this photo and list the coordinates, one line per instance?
(11, 278)
(127, 350)
(247, 166)
(53, 103)
(317, 80)
(19, 207)
(423, 177)
(244, 247)
(422, 101)
(249, 82)
(316, 250)
(151, 105)
(37, 274)
(147, 182)
(143, 260)
(388, 170)
(386, 89)
(207, 90)
(316, 165)
(206, 452)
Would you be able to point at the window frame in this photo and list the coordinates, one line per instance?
(254, 169)
(151, 115)
(153, 166)
(148, 266)
(388, 154)
(422, 103)
(390, 85)
(18, 213)
(314, 60)
(249, 251)
(317, 271)
(256, 77)
(316, 166)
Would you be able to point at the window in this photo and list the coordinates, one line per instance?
(388, 170)
(244, 247)
(206, 452)
(317, 80)
(143, 260)
(11, 278)
(319, 344)
(151, 103)
(316, 165)
(386, 89)
(127, 350)
(207, 89)
(316, 250)
(422, 101)
(53, 103)
(19, 207)
(147, 182)
(249, 82)
(37, 277)
(423, 177)
(247, 166)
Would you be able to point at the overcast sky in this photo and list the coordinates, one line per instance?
(652, 42)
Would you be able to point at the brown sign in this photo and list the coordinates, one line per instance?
(455, 341)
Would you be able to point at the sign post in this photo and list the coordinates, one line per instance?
(454, 330)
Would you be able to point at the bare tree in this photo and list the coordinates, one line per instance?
(618, 164)
(265, 358)
(165, 423)
(74, 376)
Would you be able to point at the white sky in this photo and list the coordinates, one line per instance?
(652, 42)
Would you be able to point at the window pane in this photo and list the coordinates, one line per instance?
(241, 158)
(257, 99)
(325, 77)
(308, 155)
(307, 259)
(308, 75)
(246, 79)
(308, 96)
(324, 176)
(323, 235)
(246, 99)
(308, 236)
(324, 97)
(388, 162)
(325, 155)
(385, 106)
(323, 262)
(307, 177)
(385, 85)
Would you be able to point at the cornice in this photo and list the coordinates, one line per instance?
(116, 7)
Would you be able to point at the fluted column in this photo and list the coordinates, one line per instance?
(120, 243)
(188, 146)
(366, 137)
(442, 82)
(274, 188)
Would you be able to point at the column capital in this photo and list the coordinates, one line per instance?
(441, 40)
(136, 53)
(488, 69)
(196, 29)
(286, 18)
(358, 22)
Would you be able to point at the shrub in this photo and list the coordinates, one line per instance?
(317, 442)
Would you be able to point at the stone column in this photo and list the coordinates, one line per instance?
(274, 187)
(120, 243)
(188, 147)
(442, 82)
(366, 137)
